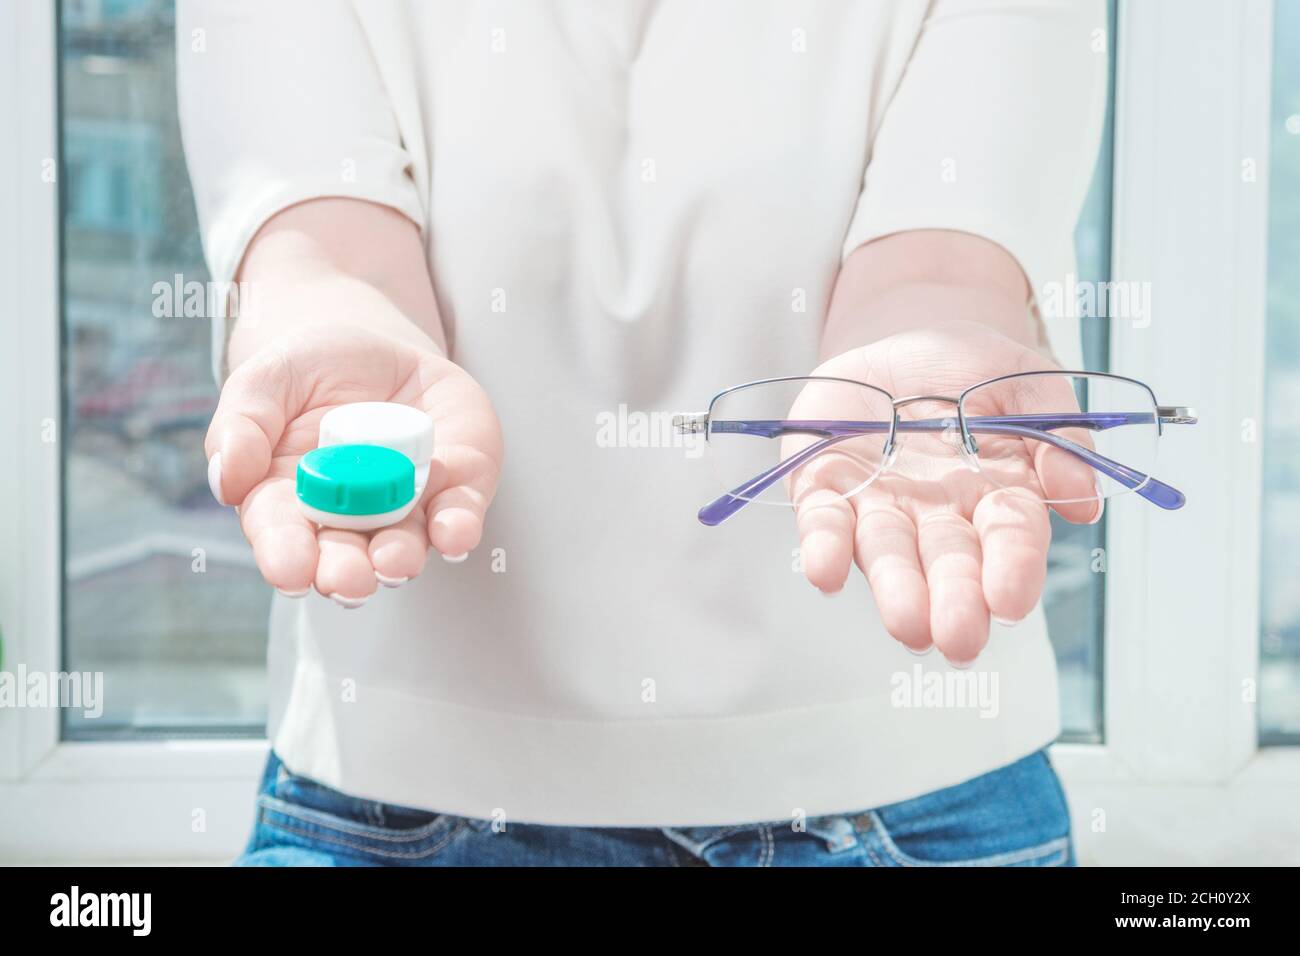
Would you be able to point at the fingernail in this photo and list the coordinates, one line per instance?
(1006, 623)
(961, 665)
(1101, 510)
(455, 558)
(347, 602)
(214, 478)
(390, 582)
(915, 653)
(294, 594)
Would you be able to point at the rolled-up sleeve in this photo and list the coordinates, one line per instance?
(993, 130)
(281, 102)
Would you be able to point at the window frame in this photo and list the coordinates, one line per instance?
(1189, 784)
(79, 801)
(1168, 784)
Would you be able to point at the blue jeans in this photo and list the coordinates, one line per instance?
(1015, 816)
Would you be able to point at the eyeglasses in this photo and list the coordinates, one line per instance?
(1056, 437)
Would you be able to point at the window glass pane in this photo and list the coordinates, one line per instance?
(1075, 594)
(1279, 690)
(160, 591)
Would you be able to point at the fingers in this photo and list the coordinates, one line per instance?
(344, 572)
(824, 513)
(885, 548)
(398, 552)
(1014, 534)
(949, 550)
(825, 523)
(250, 417)
(1062, 477)
(293, 554)
(249, 420)
(456, 508)
(456, 523)
(1068, 480)
(464, 477)
(283, 540)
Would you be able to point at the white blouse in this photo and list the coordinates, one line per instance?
(631, 205)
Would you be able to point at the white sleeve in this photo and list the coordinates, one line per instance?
(281, 102)
(993, 130)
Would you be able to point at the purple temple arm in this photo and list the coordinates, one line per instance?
(1021, 426)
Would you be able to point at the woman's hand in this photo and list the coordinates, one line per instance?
(269, 416)
(942, 547)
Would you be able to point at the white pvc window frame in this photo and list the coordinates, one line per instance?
(71, 801)
(1179, 777)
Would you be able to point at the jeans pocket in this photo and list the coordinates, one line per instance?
(297, 811)
(1014, 816)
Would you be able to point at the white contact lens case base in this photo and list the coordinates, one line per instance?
(387, 424)
(327, 519)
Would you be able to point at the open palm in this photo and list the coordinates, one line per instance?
(943, 546)
(269, 416)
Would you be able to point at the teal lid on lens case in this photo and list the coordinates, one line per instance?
(370, 468)
(355, 479)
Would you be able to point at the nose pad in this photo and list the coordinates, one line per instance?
(963, 441)
(891, 456)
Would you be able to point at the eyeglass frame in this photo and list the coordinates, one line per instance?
(1157, 492)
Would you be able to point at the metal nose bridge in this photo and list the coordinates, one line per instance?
(900, 402)
(967, 440)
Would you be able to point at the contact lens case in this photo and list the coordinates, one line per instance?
(369, 468)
